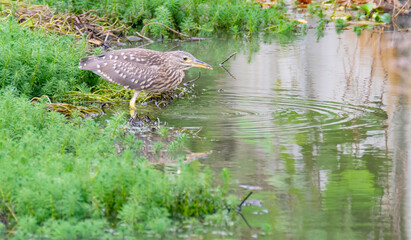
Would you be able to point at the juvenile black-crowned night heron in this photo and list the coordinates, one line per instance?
(142, 69)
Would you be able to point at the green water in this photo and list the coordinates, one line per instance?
(319, 131)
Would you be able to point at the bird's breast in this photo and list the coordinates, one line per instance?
(167, 80)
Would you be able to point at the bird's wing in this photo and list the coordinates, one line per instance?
(136, 55)
(130, 75)
(133, 68)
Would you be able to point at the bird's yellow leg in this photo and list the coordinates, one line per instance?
(133, 103)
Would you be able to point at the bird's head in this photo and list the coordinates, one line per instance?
(184, 61)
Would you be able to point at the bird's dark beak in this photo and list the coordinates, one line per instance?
(200, 64)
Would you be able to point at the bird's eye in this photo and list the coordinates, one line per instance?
(185, 58)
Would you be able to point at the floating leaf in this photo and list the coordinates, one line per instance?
(386, 18)
(340, 23)
(357, 30)
(367, 8)
(358, 15)
(376, 17)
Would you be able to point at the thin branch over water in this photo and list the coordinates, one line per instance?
(228, 58)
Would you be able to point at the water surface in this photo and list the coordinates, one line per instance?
(320, 128)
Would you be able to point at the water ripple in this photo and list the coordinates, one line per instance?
(285, 112)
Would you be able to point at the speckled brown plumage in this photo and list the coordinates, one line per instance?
(142, 69)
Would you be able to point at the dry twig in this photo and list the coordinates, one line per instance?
(399, 11)
(228, 58)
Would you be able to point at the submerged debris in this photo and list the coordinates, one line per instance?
(115, 95)
(99, 96)
(69, 110)
(141, 121)
(160, 143)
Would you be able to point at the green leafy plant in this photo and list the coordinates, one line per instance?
(386, 18)
(196, 17)
(371, 13)
(157, 147)
(340, 24)
(316, 9)
(164, 16)
(163, 131)
(358, 29)
(177, 143)
(367, 8)
(37, 63)
(69, 179)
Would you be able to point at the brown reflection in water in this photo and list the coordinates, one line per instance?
(353, 70)
(157, 149)
(389, 53)
(399, 110)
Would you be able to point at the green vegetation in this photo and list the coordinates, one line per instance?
(196, 17)
(37, 63)
(370, 16)
(369, 12)
(316, 9)
(73, 178)
(361, 17)
(340, 24)
(66, 179)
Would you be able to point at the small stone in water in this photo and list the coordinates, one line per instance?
(252, 202)
(222, 233)
(134, 39)
(250, 187)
